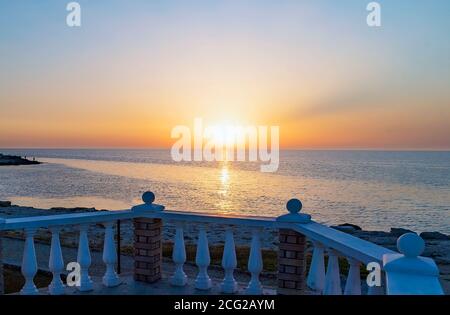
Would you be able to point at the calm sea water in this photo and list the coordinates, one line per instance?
(376, 190)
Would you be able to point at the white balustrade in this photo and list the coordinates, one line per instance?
(110, 279)
(56, 263)
(84, 259)
(29, 263)
(403, 273)
(255, 264)
(353, 283)
(179, 277)
(202, 259)
(332, 277)
(316, 275)
(229, 263)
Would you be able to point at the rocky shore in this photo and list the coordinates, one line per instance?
(437, 244)
(16, 160)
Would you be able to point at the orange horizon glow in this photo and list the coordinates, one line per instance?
(313, 69)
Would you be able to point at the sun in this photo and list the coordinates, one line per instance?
(223, 134)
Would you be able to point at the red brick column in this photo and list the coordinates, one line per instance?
(147, 249)
(291, 263)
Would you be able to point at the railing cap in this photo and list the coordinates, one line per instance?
(410, 245)
(294, 205)
(148, 197)
(294, 216)
(409, 273)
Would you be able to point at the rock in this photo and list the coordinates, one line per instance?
(5, 203)
(364, 233)
(434, 236)
(354, 226)
(15, 160)
(346, 227)
(400, 231)
(72, 210)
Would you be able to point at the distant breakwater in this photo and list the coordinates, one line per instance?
(6, 160)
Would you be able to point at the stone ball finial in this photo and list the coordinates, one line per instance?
(410, 245)
(294, 206)
(148, 197)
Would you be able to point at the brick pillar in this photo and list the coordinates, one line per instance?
(291, 263)
(147, 249)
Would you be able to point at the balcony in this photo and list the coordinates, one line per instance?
(146, 272)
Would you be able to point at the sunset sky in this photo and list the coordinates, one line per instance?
(136, 69)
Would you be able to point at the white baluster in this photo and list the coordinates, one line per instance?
(29, 264)
(255, 264)
(316, 275)
(110, 279)
(353, 283)
(229, 263)
(179, 278)
(84, 259)
(56, 263)
(202, 259)
(332, 277)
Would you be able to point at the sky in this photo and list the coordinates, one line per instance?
(136, 69)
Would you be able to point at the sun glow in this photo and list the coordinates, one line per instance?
(224, 175)
(223, 134)
(230, 138)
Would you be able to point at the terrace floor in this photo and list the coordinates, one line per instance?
(162, 287)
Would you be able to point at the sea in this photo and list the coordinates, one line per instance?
(376, 190)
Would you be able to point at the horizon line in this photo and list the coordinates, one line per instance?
(281, 149)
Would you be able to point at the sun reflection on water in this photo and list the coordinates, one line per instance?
(224, 202)
(224, 176)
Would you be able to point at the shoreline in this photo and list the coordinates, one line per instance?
(8, 209)
(242, 236)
